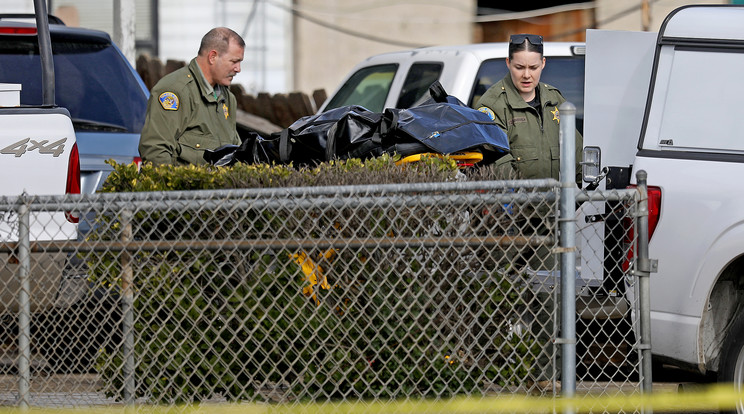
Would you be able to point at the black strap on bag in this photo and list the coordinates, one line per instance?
(437, 92)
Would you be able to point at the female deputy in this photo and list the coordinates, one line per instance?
(527, 111)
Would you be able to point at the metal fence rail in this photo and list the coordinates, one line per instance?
(310, 294)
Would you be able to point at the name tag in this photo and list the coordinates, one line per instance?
(518, 120)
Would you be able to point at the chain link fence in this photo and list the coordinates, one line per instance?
(311, 294)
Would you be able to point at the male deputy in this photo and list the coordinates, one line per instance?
(192, 109)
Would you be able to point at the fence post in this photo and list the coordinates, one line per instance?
(127, 308)
(643, 271)
(567, 247)
(24, 304)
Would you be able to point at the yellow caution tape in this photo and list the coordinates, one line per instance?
(712, 398)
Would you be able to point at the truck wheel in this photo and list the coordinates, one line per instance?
(731, 369)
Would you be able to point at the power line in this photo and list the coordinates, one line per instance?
(343, 30)
(357, 11)
(607, 20)
(481, 19)
(251, 15)
(497, 17)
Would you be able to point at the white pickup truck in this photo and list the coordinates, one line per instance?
(38, 152)
(402, 79)
(37, 144)
(669, 104)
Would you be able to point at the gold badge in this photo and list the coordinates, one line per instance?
(486, 110)
(555, 115)
(169, 101)
(224, 109)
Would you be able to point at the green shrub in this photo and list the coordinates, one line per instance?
(318, 324)
(381, 170)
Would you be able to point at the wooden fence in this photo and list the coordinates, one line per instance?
(263, 113)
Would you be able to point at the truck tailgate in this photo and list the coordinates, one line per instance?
(35, 148)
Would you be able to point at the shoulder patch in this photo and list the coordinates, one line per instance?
(169, 101)
(486, 110)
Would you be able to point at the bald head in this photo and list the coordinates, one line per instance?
(219, 39)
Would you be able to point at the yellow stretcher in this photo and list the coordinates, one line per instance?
(463, 159)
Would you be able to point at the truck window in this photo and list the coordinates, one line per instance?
(565, 73)
(701, 90)
(490, 72)
(81, 69)
(418, 80)
(367, 87)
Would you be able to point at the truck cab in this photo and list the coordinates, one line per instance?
(402, 79)
(104, 95)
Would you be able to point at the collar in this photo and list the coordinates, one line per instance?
(515, 99)
(207, 90)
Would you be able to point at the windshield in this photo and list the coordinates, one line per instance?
(91, 80)
(565, 73)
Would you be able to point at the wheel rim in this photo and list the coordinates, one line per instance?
(738, 378)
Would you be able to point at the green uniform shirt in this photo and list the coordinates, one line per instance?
(533, 140)
(185, 117)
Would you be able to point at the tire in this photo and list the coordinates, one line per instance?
(731, 369)
(285, 147)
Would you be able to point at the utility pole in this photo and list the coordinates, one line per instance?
(124, 28)
(645, 16)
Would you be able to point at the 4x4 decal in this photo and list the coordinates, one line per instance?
(19, 148)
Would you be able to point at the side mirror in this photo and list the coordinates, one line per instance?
(590, 165)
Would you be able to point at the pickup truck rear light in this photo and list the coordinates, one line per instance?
(73, 180)
(654, 211)
(18, 30)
